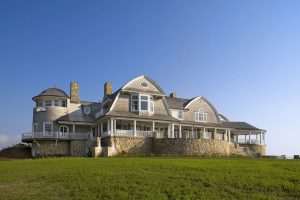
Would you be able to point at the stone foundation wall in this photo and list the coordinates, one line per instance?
(127, 145)
(51, 148)
(256, 149)
(190, 147)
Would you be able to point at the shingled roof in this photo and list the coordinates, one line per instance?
(239, 125)
(176, 103)
(53, 92)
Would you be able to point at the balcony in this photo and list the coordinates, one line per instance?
(55, 136)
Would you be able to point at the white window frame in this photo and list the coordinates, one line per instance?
(44, 126)
(63, 126)
(180, 111)
(48, 100)
(197, 116)
(132, 100)
(140, 101)
(151, 104)
(35, 124)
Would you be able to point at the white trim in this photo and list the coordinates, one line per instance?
(204, 116)
(114, 103)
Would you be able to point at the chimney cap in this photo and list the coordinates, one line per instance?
(173, 95)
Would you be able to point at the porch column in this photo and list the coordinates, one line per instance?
(229, 136)
(112, 125)
(101, 128)
(115, 125)
(192, 131)
(153, 126)
(204, 130)
(180, 134)
(260, 138)
(108, 127)
(215, 134)
(249, 137)
(172, 133)
(245, 138)
(73, 128)
(134, 127)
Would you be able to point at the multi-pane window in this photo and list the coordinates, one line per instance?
(144, 103)
(135, 102)
(48, 103)
(200, 117)
(56, 102)
(180, 114)
(63, 130)
(48, 128)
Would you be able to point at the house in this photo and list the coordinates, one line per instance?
(138, 118)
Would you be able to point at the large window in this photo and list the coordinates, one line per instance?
(48, 127)
(56, 102)
(142, 103)
(200, 117)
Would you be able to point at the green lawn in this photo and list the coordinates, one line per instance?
(150, 178)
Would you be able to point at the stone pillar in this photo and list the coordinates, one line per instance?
(134, 127)
(74, 92)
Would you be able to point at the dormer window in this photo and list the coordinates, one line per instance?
(180, 115)
(200, 117)
(141, 102)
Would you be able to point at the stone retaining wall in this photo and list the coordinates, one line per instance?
(50, 148)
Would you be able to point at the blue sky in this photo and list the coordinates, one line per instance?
(244, 56)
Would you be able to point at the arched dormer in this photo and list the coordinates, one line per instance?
(199, 105)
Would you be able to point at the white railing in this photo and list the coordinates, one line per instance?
(56, 135)
(247, 141)
(207, 135)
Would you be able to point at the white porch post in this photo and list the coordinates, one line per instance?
(153, 126)
(115, 125)
(229, 136)
(245, 138)
(108, 127)
(112, 125)
(260, 138)
(73, 128)
(204, 130)
(101, 128)
(172, 133)
(134, 127)
(249, 137)
(215, 134)
(169, 130)
(192, 131)
(180, 134)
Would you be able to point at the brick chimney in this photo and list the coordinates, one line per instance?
(107, 88)
(74, 92)
(173, 95)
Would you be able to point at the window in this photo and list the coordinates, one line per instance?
(135, 102)
(200, 117)
(63, 103)
(94, 131)
(48, 127)
(56, 102)
(144, 84)
(40, 104)
(180, 114)
(35, 127)
(63, 130)
(144, 103)
(48, 103)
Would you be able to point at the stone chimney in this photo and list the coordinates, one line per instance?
(107, 88)
(74, 92)
(173, 95)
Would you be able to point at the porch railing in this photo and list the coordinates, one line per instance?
(55, 135)
(128, 133)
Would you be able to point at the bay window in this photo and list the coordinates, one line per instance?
(140, 102)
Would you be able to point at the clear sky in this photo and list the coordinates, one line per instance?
(244, 56)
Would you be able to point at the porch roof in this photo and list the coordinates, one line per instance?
(239, 126)
(134, 115)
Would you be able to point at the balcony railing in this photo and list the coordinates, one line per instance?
(56, 135)
(128, 133)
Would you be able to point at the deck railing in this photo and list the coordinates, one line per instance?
(128, 133)
(55, 135)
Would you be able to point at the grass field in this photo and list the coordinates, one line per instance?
(150, 178)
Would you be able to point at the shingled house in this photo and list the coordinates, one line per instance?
(138, 118)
